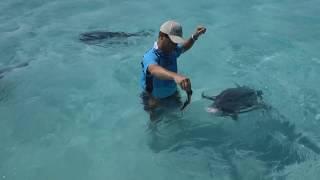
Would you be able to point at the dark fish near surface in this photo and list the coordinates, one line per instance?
(188, 100)
(233, 101)
(96, 37)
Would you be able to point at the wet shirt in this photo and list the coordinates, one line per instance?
(159, 88)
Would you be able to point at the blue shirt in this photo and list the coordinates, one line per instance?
(159, 88)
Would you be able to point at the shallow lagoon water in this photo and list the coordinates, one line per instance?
(74, 112)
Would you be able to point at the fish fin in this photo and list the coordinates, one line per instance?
(238, 85)
(213, 98)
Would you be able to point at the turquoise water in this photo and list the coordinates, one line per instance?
(74, 112)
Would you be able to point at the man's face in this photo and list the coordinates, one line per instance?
(169, 46)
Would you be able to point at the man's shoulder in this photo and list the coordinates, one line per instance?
(150, 55)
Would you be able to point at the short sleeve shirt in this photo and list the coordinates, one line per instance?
(159, 88)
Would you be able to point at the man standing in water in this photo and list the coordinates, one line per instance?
(160, 76)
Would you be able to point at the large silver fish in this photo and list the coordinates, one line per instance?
(233, 101)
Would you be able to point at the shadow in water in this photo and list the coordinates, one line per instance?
(267, 137)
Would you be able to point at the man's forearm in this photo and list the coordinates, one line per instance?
(188, 44)
(161, 73)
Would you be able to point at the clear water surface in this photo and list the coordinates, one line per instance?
(74, 112)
